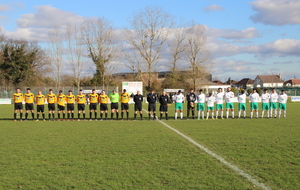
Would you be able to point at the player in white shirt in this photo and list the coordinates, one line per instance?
(179, 98)
(242, 103)
(200, 106)
(228, 96)
(210, 101)
(220, 102)
(265, 98)
(254, 98)
(273, 102)
(282, 99)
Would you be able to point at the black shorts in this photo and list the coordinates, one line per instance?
(70, 107)
(40, 108)
(93, 106)
(81, 107)
(51, 107)
(29, 106)
(137, 107)
(18, 106)
(61, 108)
(103, 107)
(124, 106)
(114, 106)
(163, 108)
(152, 107)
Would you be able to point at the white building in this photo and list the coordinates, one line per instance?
(267, 81)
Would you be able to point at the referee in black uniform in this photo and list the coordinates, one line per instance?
(163, 108)
(151, 99)
(138, 101)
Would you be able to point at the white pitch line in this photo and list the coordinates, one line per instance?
(222, 160)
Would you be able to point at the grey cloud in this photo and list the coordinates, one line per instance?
(276, 12)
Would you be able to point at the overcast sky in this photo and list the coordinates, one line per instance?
(246, 38)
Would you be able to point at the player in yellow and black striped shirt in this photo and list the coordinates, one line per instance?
(103, 99)
(51, 99)
(18, 99)
(124, 103)
(40, 101)
(93, 98)
(29, 99)
(61, 99)
(80, 99)
(70, 99)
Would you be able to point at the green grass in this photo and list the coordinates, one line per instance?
(147, 155)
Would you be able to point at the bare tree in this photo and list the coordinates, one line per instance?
(55, 51)
(75, 48)
(98, 37)
(133, 62)
(148, 33)
(197, 53)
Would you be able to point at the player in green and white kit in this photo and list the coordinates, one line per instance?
(200, 106)
(210, 101)
(273, 102)
(242, 103)
(179, 98)
(265, 98)
(220, 102)
(282, 98)
(254, 98)
(229, 95)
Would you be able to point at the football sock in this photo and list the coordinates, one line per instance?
(262, 114)
(15, 115)
(37, 116)
(68, 115)
(166, 116)
(117, 115)
(207, 115)
(105, 115)
(43, 116)
(95, 114)
(127, 114)
(141, 115)
(26, 115)
(240, 113)
(112, 115)
(149, 115)
(284, 113)
(101, 115)
(257, 114)
(176, 115)
(268, 114)
(212, 115)
(198, 114)
(227, 114)
(217, 112)
(32, 115)
(78, 115)
(122, 114)
(154, 114)
(64, 115)
(244, 113)
(232, 114)
(160, 116)
(251, 114)
(181, 115)
(222, 114)
(90, 115)
(53, 115)
(21, 114)
(83, 115)
(135, 116)
(58, 115)
(202, 114)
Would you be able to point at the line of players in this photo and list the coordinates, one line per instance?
(269, 103)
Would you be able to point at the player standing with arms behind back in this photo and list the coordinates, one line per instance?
(210, 101)
(103, 99)
(200, 106)
(18, 99)
(242, 103)
(138, 103)
(93, 97)
(125, 98)
(163, 108)
(254, 98)
(151, 99)
(273, 102)
(70, 99)
(61, 99)
(282, 98)
(265, 98)
(51, 99)
(179, 98)
(80, 99)
(220, 102)
(40, 101)
(191, 98)
(229, 95)
(29, 99)
(114, 99)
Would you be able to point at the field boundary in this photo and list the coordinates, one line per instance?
(216, 156)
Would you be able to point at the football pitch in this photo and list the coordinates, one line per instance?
(149, 155)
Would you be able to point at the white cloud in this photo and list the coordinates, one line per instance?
(247, 33)
(214, 7)
(47, 16)
(4, 7)
(276, 12)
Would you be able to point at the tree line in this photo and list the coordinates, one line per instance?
(152, 42)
